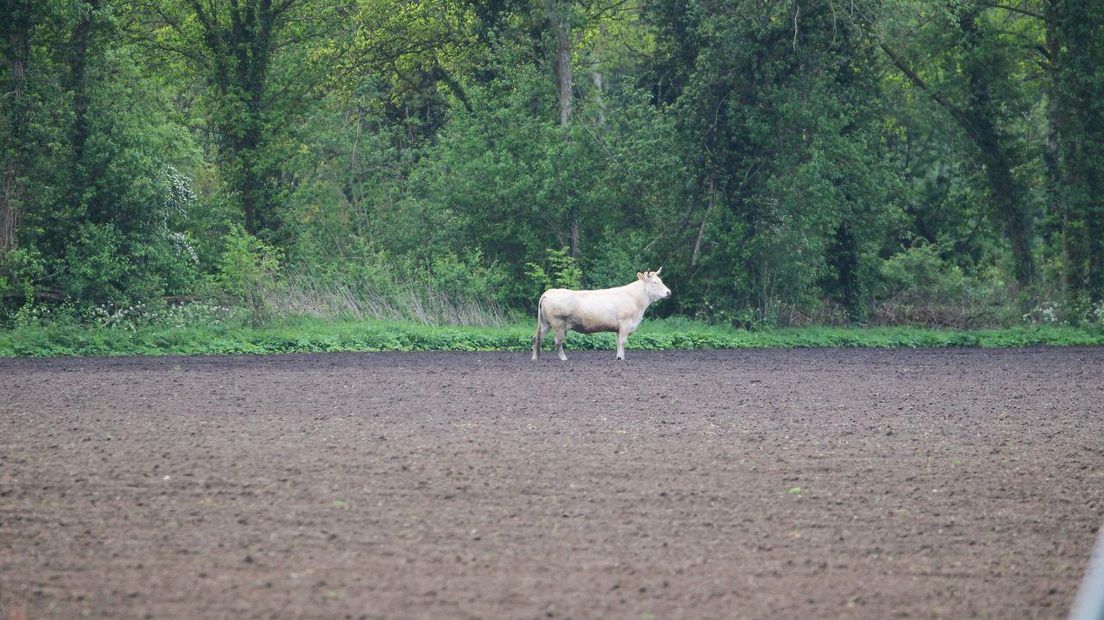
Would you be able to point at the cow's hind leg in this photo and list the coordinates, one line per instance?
(560, 334)
(538, 338)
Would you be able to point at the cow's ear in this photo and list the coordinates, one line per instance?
(639, 276)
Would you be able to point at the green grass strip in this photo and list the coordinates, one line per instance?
(312, 335)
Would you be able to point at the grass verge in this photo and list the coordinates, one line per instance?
(312, 335)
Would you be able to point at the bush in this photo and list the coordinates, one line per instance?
(919, 287)
(95, 271)
(559, 271)
(20, 269)
(247, 272)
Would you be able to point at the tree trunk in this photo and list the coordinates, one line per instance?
(705, 219)
(978, 120)
(562, 28)
(241, 52)
(1007, 199)
(559, 15)
(79, 42)
(252, 35)
(1051, 169)
(1080, 132)
(16, 34)
(843, 256)
(250, 191)
(597, 77)
(997, 151)
(599, 95)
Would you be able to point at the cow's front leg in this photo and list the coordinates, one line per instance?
(622, 337)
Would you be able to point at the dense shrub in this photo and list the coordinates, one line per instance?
(920, 287)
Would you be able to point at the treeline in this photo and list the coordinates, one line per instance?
(785, 161)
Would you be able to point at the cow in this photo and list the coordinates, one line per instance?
(617, 309)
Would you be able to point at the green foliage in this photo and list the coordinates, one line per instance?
(105, 219)
(506, 176)
(920, 286)
(979, 81)
(247, 272)
(788, 164)
(777, 114)
(212, 331)
(95, 269)
(445, 290)
(920, 273)
(562, 271)
(1077, 89)
(22, 268)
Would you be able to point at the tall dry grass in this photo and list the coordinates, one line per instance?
(415, 302)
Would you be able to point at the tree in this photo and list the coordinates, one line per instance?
(1077, 46)
(775, 109)
(91, 197)
(15, 34)
(978, 90)
(237, 46)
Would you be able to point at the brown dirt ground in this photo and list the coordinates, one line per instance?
(755, 484)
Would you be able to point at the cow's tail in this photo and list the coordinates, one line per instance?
(538, 337)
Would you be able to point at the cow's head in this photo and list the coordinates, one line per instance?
(655, 287)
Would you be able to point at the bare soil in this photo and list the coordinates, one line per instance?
(721, 484)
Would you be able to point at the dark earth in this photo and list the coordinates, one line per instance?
(709, 484)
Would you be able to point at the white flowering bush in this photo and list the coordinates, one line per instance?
(1045, 313)
(33, 314)
(1096, 315)
(193, 314)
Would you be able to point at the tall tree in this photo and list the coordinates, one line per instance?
(240, 41)
(977, 90)
(235, 46)
(1077, 30)
(559, 19)
(77, 60)
(15, 31)
(775, 109)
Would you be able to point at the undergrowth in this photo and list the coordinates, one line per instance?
(313, 335)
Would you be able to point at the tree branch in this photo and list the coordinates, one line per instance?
(960, 115)
(151, 42)
(1014, 9)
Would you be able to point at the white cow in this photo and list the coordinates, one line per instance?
(605, 310)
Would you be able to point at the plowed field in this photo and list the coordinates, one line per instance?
(721, 484)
